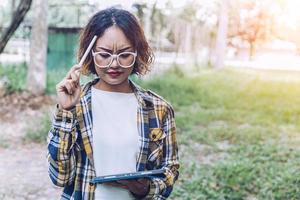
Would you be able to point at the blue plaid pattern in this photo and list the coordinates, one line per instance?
(70, 153)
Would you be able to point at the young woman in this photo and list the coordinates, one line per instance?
(111, 125)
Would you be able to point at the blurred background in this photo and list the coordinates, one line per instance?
(230, 68)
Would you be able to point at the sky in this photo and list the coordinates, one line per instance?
(292, 14)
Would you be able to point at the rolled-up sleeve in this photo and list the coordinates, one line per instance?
(161, 188)
(61, 138)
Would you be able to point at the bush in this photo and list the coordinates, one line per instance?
(16, 77)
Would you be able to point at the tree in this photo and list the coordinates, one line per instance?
(18, 17)
(253, 23)
(221, 42)
(36, 76)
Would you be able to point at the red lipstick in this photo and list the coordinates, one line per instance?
(114, 74)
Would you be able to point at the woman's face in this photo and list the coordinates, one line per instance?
(113, 41)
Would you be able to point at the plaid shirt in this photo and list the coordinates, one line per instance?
(70, 152)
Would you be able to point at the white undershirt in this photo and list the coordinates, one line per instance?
(115, 139)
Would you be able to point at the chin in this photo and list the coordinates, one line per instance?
(115, 81)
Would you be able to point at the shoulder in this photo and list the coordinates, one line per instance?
(160, 102)
(150, 96)
(153, 99)
(157, 98)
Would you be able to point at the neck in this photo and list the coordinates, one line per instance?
(123, 87)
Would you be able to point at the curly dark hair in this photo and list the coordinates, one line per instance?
(130, 26)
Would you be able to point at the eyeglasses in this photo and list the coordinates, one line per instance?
(105, 59)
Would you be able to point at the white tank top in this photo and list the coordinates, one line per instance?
(115, 139)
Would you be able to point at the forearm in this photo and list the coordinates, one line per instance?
(61, 139)
(161, 188)
(61, 172)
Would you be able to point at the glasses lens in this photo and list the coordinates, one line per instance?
(126, 59)
(103, 59)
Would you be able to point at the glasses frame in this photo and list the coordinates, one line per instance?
(114, 56)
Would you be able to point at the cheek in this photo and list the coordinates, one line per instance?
(129, 71)
(99, 72)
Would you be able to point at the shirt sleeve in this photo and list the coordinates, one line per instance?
(161, 188)
(60, 155)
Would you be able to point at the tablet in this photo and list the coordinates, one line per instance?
(129, 176)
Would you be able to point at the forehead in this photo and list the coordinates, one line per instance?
(113, 38)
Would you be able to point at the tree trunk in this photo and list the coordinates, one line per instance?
(13, 7)
(36, 77)
(147, 24)
(221, 41)
(251, 50)
(18, 17)
(212, 36)
(188, 45)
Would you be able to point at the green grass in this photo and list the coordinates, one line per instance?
(266, 172)
(15, 75)
(38, 130)
(257, 115)
(255, 112)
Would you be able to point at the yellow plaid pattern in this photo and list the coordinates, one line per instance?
(70, 152)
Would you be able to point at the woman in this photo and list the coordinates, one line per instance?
(111, 125)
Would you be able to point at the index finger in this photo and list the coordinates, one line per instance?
(75, 68)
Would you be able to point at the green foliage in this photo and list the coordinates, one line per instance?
(15, 75)
(257, 117)
(265, 172)
(38, 130)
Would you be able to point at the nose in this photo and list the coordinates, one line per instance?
(114, 63)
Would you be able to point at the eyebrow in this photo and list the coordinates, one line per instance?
(111, 51)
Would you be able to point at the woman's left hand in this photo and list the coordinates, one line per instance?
(139, 187)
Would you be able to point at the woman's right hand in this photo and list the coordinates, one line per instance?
(68, 90)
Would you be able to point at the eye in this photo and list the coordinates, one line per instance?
(125, 55)
(104, 54)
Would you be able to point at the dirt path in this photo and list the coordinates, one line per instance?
(23, 166)
(23, 172)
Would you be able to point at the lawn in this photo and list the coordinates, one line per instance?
(237, 130)
(238, 133)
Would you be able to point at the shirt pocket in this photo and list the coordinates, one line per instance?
(157, 136)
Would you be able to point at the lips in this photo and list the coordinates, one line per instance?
(114, 74)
